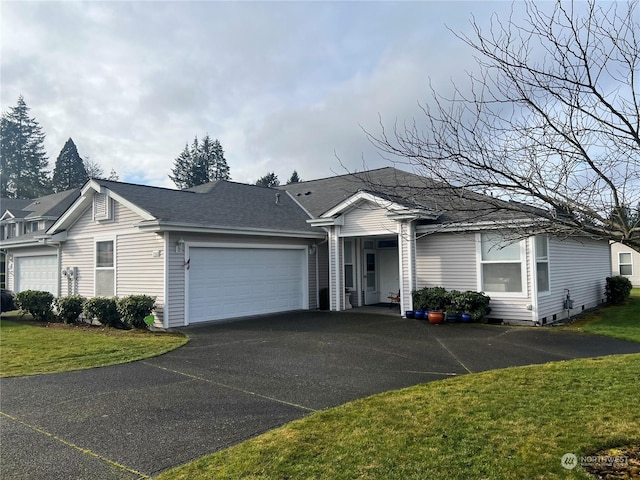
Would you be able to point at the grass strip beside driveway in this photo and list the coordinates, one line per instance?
(617, 321)
(30, 348)
(505, 424)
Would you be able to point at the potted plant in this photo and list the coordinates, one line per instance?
(433, 300)
(473, 305)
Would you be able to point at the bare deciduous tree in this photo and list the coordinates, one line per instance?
(550, 123)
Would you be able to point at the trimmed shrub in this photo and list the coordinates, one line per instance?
(431, 298)
(70, 308)
(618, 289)
(134, 308)
(103, 309)
(7, 304)
(38, 303)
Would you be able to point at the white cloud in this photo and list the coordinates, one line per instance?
(284, 86)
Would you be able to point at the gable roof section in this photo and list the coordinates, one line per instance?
(414, 192)
(221, 205)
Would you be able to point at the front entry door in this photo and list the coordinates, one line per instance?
(371, 294)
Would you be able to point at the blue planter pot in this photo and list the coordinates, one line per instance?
(465, 317)
(419, 313)
(409, 314)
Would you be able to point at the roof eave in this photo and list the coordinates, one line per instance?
(159, 226)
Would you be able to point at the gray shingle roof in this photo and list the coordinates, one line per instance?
(221, 204)
(52, 206)
(404, 188)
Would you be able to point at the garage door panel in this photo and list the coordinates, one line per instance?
(236, 282)
(38, 272)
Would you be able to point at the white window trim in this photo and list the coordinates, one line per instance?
(96, 268)
(523, 269)
(352, 263)
(620, 264)
(540, 293)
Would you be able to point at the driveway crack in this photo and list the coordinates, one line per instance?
(231, 387)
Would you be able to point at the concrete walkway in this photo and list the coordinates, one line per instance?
(236, 380)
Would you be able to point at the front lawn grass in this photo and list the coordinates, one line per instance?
(618, 321)
(28, 348)
(505, 424)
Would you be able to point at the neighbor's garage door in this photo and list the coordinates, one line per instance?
(237, 282)
(36, 273)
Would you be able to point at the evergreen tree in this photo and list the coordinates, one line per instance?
(69, 171)
(23, 159)
(219, 170)
(181, 169)
(295, 178)
(269, 180)
(201, 163)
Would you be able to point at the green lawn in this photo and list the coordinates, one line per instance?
(29, 348)
(620, 321)
(505, 424)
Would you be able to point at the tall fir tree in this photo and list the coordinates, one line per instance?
(220, 168)
(201, 163)
(24, 162)
(69, 171)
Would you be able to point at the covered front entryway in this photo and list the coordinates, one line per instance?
(227, 282)
(372, 269)
(38, 272)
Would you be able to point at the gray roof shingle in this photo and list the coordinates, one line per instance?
(404, 188)
(221, 204)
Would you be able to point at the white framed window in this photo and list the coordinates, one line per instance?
(625, 262)
(501, 265)
(105, 269)
(542, 264)
(349, 271)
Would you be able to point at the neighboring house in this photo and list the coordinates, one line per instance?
(625, 261)
(23, 225)
(226, 250)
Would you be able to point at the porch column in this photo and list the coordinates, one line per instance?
(336, 283)
(407, 261)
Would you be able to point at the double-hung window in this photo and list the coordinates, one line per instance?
(542, 263)
(625, 262)
(105, 269)
(501, 266)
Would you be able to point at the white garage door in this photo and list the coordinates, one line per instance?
(36, 273)
(237, 282)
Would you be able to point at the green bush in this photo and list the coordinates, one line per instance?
(134, 308)
(70, 308)
(618, 289)
(104, 309)
(38, 303)
(431, 298)
(475, 304)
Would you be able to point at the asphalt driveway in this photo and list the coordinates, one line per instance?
(236, 380)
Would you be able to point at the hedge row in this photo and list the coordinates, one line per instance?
(124, 312)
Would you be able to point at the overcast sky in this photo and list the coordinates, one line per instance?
(282, 85)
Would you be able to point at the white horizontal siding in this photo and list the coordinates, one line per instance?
(450, 260)
(123, 219)
(447, 260)
(140, 267)
(79, 253)
(579, 266)
(367, 218)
